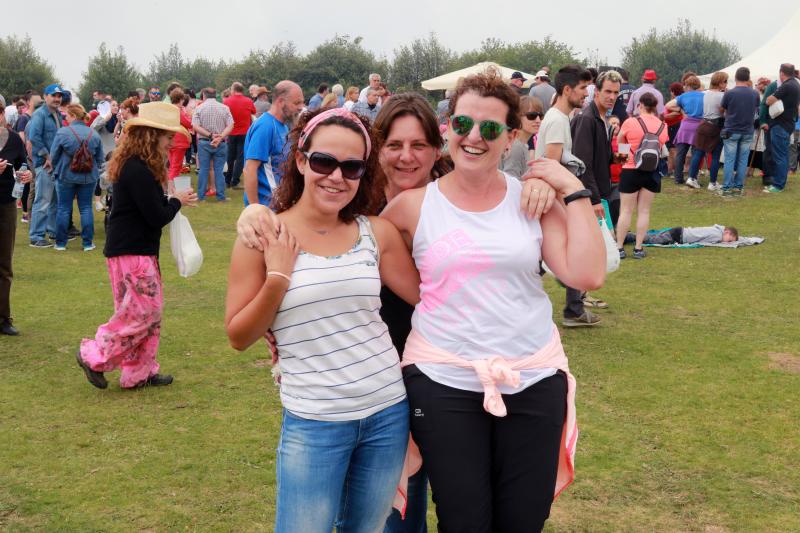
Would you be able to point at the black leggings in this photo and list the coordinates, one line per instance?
(488, 474)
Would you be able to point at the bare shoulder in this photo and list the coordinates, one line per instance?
(403, 211)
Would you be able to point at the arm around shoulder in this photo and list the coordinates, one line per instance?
(397, 269)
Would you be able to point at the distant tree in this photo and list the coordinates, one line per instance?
(676, 51)
(109, 71)
(421, 60)
(166, 67)
(526, 56)
(339, 60)
(281, 62)
(21, 67)
(201, 72)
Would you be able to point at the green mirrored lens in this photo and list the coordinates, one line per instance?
(491, 130)
(462, 124)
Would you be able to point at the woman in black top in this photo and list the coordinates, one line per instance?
(12, 156)
(129, 340)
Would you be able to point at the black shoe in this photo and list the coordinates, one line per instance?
(73, 232)
(7, 328)
(95, 378)
(156, 380)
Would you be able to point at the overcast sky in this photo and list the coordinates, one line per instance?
(68, 34)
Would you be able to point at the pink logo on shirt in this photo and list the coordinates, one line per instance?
(449, 263)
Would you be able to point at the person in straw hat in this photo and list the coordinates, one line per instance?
(138, 171)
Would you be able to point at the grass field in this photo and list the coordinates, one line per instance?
(688, 393)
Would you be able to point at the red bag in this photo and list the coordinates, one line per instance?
(82, 160)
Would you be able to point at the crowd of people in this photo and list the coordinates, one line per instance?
(390, 251)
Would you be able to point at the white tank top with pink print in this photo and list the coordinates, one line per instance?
(481, 291)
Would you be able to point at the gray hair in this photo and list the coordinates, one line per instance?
(337, 89)
(610, 75)
(374, 75)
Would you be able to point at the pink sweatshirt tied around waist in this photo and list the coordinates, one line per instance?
(492, 371)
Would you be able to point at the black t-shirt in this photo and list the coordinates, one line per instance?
(14, 153)
(22, 121)
(789, 93)
(138, 212)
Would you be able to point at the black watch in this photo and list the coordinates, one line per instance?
(583, 193)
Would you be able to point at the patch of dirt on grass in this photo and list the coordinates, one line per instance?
(786, 362)
(262, 363)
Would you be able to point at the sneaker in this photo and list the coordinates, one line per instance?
(587, 319)
(59, 248)
(41, 243)
(7, 328)
(73, 232)
(692, 183)
(726, 193)
(622, 254)
(155, 380)
(738, 192)
(639, 254)
(712, 186)
(95, 378)
(772, 189)
(26, 219)
(89, 247)
(590, 301)
(98, 206)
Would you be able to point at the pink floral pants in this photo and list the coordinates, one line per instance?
(129, 340)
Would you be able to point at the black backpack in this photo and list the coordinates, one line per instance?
(649, 151)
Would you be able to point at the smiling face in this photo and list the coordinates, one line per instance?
(470, 152)
(330, 193)
(165, 141)
(407, 158)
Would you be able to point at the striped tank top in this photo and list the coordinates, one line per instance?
(336, 355)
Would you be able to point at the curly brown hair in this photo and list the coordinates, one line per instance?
(490, 84)
(370, 187)
(141, 142)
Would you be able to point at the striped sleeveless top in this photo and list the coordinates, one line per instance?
(337, 358)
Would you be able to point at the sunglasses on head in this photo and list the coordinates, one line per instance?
(533, 115)
(322, 163)
(489, 129)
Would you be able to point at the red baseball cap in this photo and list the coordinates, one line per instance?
(649, 75)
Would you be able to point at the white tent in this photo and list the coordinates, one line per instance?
(782, 48)
(450, 80)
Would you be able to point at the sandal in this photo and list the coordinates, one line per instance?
(589, 301)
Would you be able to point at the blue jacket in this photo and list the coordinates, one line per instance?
(64, 147)
(41, 132)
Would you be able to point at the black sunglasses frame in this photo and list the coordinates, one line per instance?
(352, 169)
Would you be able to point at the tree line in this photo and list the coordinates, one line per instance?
(344, 59)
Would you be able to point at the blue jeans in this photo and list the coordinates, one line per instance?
(416, 508)
(66, 192)
(780, 139)
(697, 158)
(680, 161)
(737, 150)
(43, 211)
(208, 155)
(342, 473)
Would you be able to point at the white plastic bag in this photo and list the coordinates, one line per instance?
(187, 253)
(612, 254)
(776, 109)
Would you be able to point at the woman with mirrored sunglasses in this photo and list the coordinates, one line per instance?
(515, 160)
(489, 388)
(317, 285)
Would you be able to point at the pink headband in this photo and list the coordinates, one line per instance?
(335, 112)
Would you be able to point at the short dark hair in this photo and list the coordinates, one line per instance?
(787, 69)
(237, 87)
(733, 231)
(322, 88)
(489, 84)
(571, 76)
(676, 88)
(209, 92)
(624, 73)
(370, 186)
(742, 74)
(133, 94)
(649, 101)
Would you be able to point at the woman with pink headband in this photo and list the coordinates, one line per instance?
(317, 286)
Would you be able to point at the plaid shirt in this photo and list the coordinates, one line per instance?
(212, 116)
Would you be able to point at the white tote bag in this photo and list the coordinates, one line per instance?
(776, 109)
(612, 254)
(185, 249)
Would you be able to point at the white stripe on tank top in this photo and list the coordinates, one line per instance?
(481, 292)
(336, 355)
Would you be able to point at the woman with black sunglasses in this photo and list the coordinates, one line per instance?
(491, 397)
(317, 286)
(515, 160)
